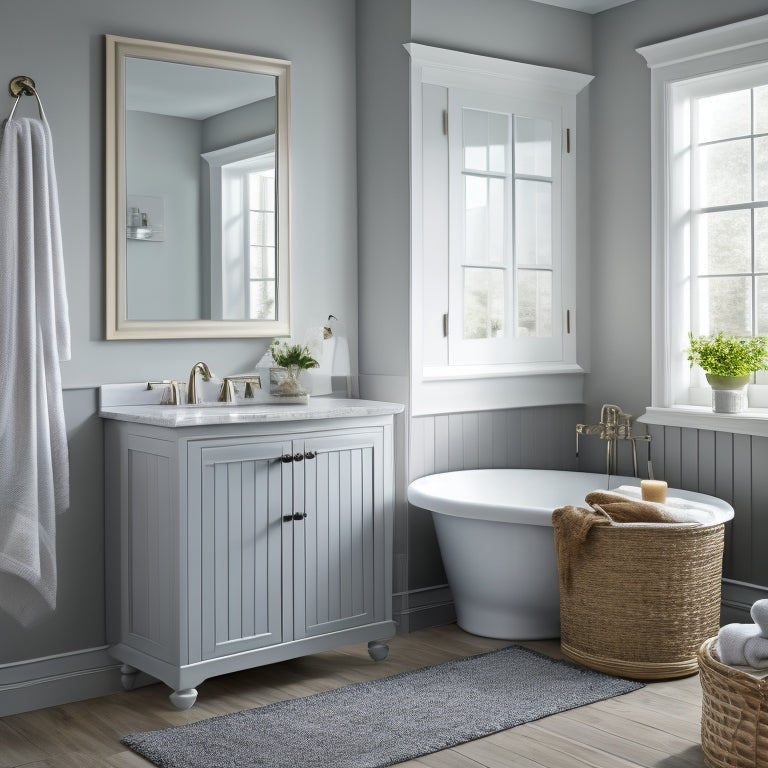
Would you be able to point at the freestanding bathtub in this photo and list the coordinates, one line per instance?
(494, 528)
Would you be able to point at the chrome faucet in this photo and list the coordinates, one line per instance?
(614, 425)
(205, 372)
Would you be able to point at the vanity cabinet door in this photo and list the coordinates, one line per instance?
(245, 546)
(339, 545)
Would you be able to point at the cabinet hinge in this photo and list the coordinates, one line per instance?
(445, 325)
(568, 141)
(445, 122)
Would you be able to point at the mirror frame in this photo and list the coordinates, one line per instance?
(118, 326)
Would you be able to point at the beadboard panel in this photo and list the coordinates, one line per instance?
(534, 438)
(731, 467)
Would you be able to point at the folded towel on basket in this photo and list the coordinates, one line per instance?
(732, 640)
(627, 510)
(759, 613)
(756, 652)
(680, 510)
(572, 525)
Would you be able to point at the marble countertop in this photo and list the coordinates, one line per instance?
(225, 413)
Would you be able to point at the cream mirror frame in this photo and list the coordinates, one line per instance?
(119, 325)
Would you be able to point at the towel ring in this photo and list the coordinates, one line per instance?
(21, 85)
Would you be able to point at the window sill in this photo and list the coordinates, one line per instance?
(753, 421)
(484, 388)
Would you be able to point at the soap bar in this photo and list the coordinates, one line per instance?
(653, 490)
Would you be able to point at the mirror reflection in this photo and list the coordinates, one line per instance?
(201, 193)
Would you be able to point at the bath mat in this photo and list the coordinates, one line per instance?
(381, 722)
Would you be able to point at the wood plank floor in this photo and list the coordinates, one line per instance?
(657, 726)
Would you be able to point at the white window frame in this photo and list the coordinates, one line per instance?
(694, 57)
(436, 386)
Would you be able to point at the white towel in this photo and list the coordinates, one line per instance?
(34, 464)
(759, 613)
(731, 641)
(756, 651)
(681, 510)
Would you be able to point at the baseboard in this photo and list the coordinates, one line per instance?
(54, 680)
(737, 599)
(423, 608)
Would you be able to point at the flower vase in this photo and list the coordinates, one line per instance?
(289, 385)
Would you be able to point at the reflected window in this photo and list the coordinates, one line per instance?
(243, 250)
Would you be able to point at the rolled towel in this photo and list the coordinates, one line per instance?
(759, 613)
(731, 642)
(756, 651)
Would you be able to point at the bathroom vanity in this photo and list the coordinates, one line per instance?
(238, 536)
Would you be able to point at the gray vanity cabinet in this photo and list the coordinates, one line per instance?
(231, 547)
(287, 539)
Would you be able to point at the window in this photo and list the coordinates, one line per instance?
(505, 284)
(710, 210)
(494, 257)
(243, 253)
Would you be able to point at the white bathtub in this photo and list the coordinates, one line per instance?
(494, 527)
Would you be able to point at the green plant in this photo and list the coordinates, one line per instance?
(723, 355)
(285, 354)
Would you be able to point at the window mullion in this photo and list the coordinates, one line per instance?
(511, 249)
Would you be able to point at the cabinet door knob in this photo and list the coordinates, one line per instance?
(287, 518)
(286, 458)
(310, 455)
(298, 457)
(299, 515)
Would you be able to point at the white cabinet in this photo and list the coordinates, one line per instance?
(232, 546)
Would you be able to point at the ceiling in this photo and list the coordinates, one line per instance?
(587, 6)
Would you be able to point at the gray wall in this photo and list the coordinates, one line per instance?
(63, 51)
(163, 160)
(349, 144)
(511, 29)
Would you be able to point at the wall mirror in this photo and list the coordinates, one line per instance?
(197, 192)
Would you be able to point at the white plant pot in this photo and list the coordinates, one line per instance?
(729, 394)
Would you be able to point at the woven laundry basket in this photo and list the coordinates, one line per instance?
(642, 599)
(734, 713)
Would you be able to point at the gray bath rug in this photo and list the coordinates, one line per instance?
(382, 722)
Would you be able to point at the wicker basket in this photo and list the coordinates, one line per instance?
(734, 714)
(642, 599)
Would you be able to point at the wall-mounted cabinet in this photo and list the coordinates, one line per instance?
(234, 546)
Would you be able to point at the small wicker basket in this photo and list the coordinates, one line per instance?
(642, 599)
(734, 714)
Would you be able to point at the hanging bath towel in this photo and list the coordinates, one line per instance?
(34, 464)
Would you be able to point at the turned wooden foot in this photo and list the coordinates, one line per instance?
(184, 698)
(378, 650)
(128, 675)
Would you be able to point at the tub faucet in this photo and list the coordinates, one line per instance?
(205, 372)
(614, 425)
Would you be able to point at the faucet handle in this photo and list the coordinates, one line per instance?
(228, 391)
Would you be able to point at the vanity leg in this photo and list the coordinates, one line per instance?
(184, 698)
(128, 675)
(378, 650)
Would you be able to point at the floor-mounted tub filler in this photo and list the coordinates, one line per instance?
(494, 528)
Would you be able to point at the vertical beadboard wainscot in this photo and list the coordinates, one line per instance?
(241, 536)
(731, 467)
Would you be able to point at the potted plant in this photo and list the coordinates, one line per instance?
(293, 358)
(728, 362)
